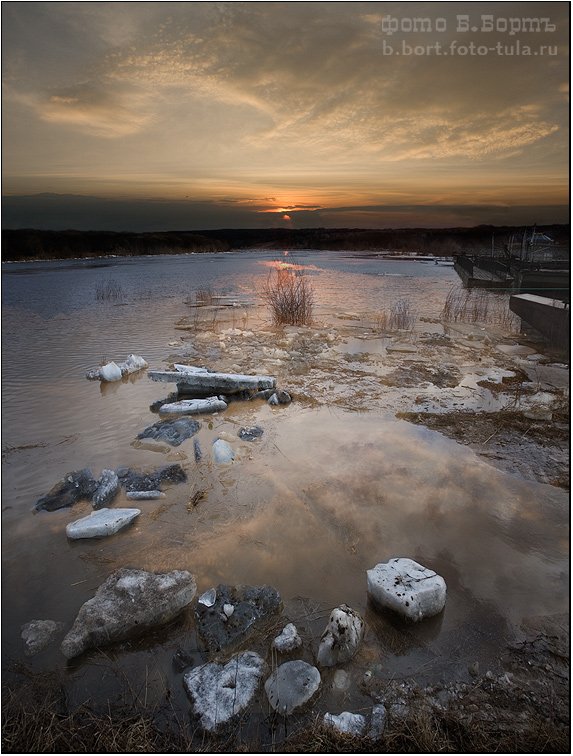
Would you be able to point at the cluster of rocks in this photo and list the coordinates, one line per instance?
(81, 485)
(131, 601)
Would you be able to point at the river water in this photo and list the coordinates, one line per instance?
(323, 496)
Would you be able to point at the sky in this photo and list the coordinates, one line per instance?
(192, 115)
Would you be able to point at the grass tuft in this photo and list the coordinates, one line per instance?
(290, 297)
(108, 290)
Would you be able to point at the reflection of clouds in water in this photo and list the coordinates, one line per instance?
(360, 491)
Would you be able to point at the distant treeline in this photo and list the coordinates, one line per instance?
(33, 244)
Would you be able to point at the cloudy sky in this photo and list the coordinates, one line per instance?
(205, 115)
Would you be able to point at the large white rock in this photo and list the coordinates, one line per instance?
(103, 522)
(126, 604)
(407, 588)
(219, 692)
(110, 372)
(341, 637)
(288, 640)
(292, 685)
(193, 406)
(346, 723)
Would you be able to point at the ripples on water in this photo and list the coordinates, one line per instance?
(322, 497)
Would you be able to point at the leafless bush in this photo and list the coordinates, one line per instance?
(205, 296)
(108, 290)
(290, 296)
(402, 317)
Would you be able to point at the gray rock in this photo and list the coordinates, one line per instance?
(251, 434)
(221, 692)
(145, 495)
(108, 486)
(264, 394)
(253, 606)
(377, 722)
(132, 480)
(173, 432)
(222, 452)
(408, 588)
(193, 406)
(341, 637)
(126, 604)
(346, 723)
(102, 523)
(37, 634)
(280, 397)
(73, 487)
(288, 640)
(292, 685)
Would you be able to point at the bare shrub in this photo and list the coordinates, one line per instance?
(205, 296)
(108, 290)
(402, 317)
(290, 296)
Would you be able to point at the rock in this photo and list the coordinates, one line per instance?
(110, 372)
(157, 405)
(220, 692)
(37, 634)
(222, 452)
(341, 638)
(197, 450)
(107, 488)
(377, 722)
(341, 680)
(253, 606)
(288, 640)
(73, 487)
(136, 481)
(346, 723)
(407, 588)
(228, 610)
(193, 406)
(280, 397)
(189, 369)
(127, 603)
(144, 495)
(265, 394)
(173, 432)
(201, 384)
(292, 685)
(250, 434)
(104, 522)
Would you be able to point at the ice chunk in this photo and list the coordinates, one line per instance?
(104, 522)
(407, 588)
(110, 372)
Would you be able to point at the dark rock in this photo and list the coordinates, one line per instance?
(266, 394)
(197, 450)
(174, 432)
(252, 606)
(250, 434)
(152, 481)
(73, 487)
(107, 489)
(280, 397)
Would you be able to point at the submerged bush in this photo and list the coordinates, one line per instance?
(479, 306)
(290, 296)
(108, 290)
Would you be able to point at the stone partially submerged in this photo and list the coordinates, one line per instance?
(202, 384)
(73, 487)
(222, 452)
(134, 481)
(408, 588)
(38, 634)
(129, 602)
(102, 523)
(113, 371)
(252, 606)
(291, 686)
(173, 432)
(341, 637)
(221, 692)
(193, 406)
(108, 487)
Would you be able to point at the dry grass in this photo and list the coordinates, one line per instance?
(108, 290)
(290, 297)
(205, 296)
(401, 317)
(479, 306)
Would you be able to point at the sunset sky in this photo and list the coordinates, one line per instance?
(156, 116)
